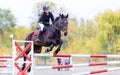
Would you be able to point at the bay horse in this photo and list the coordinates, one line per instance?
(50, 37)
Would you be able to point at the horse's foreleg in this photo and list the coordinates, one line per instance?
(51, 47)
(59, 47)
(30, 67)
(24, 65)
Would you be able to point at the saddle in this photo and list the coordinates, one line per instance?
(36, 32)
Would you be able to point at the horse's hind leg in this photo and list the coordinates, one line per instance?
(59, 47)
(24, 65)
(30, 67)
(51, 47)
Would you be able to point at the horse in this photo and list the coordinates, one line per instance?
(50, 37)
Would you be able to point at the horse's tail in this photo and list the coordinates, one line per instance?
(29, 36)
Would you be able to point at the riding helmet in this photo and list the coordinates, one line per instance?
(45, 7)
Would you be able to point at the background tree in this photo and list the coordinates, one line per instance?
(97, 36)
(109, 29)
(7, 21)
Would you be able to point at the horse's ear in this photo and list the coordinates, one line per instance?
(60, 15)
(67, 16)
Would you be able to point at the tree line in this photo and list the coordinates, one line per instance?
(100, 35)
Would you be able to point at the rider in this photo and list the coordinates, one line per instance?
(44, 20)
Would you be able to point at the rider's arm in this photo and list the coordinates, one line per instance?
(41, 19)
(52, 17)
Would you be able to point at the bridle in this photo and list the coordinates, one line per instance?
(56, 27)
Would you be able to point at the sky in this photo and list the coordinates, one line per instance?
(86, 9)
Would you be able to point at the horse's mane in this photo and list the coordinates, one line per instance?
(56, 19)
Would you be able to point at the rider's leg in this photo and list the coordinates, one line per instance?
(39, 34)
(41, 26)
(40, 31)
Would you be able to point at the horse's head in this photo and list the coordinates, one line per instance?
(62, 23)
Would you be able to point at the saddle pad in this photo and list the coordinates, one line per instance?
(36, 32)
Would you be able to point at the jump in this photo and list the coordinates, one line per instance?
(50, 37)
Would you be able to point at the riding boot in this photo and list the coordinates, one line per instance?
(39, 36)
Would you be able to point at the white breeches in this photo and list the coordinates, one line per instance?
(41, 26)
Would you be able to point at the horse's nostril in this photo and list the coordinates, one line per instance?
(65, 34)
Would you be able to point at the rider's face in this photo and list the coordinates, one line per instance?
(47, 11)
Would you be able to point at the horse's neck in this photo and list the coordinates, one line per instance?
(56, 26)
(57, 33)
(56, 29)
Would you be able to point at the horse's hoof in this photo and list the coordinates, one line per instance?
(29, 70)
(47, 50)
(56, 52)
(23, 66)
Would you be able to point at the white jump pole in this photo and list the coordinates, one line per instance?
(78, 55)
(79, 65)
(98, 71)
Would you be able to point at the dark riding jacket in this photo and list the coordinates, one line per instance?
(45, 18)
